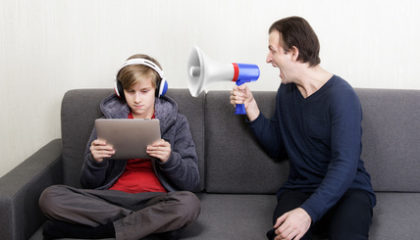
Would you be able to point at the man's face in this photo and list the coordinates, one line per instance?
(141, 97)
(278, 57)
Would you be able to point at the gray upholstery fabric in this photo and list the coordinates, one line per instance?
(20, 215)
(235, 163)
(396, 216)
(235, 216)
(79, 110)
(391, 138)
(232, 216)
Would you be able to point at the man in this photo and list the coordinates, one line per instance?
(317, 125)
(131, 199)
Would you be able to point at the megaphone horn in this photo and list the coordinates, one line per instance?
(203, 70)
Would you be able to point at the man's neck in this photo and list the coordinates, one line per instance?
(311, 79)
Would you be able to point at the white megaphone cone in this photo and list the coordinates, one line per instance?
(202, 70)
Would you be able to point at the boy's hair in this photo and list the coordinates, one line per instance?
(297, 32)
(128, 75)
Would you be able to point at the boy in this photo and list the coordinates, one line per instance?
(130, 199)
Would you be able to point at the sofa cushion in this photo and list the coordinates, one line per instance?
(235, 163)
(391, 138)
(232, 216)
(79, 109)
(396, 216)
(226, 216)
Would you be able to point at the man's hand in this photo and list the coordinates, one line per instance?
(242, 95)
(100, 150)
(292, 225)
(160, 149)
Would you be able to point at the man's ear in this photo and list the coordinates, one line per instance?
(295, 53)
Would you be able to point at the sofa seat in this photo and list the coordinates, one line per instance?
(223, 214)
(396, 216)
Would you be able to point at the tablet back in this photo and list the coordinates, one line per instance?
(129, 137)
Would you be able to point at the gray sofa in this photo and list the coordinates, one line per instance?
(238, 180)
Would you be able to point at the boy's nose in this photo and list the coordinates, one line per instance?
(137, 98)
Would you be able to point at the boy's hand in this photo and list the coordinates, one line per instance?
(100, 150)
(160, 149)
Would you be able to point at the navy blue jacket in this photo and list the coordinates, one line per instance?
(321, 136)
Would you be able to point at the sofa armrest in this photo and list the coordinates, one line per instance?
(20, 189)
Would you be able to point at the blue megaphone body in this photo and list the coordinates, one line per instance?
(244, 73)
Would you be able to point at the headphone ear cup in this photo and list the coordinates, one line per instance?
(119, 89)
(161, 88)
(157, 90)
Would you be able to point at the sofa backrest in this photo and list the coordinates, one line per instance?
(235, 163)
(230, 159)
(390, 144)
(80, 108)
(391, 138)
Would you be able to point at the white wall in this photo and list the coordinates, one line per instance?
(48, 47)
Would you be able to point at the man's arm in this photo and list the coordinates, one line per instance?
(346, 115)
(265, 130)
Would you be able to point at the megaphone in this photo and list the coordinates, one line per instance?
(203, 70)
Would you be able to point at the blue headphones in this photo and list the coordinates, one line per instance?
(161, 86)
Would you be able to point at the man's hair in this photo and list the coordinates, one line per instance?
(297, 32)
(129, 75)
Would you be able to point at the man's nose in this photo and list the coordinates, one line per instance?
(269, 58)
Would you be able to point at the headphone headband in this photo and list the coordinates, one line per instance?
(145, 62)
(162, 85)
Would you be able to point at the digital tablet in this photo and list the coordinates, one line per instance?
(129, 137)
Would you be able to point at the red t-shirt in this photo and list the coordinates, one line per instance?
(138, 176)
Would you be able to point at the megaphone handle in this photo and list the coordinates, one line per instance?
(240, 109)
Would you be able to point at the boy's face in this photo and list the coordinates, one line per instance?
(141, 97)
